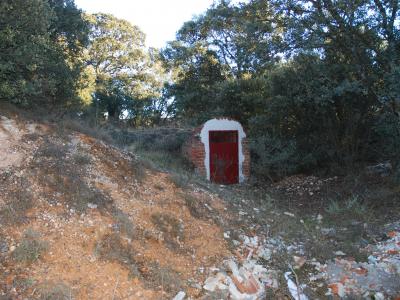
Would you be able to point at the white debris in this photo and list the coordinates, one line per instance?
(319, 218)
(294, 290)
(215, 283)
(180, 296)
(347, 277)
(299, 261)
(264, 253)
(288, 214)
(340, 253)
(234, 269)
(248, 279)
(92, 206)
(208, 207)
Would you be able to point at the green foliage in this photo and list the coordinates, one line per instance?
(352, 206)
(333, 101)
(39, 42)
(274, 157)
(197, 69)
(315, 83)
(128, 77)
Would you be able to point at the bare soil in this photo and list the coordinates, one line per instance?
(116, 229)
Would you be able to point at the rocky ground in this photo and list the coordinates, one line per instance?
(81, 219)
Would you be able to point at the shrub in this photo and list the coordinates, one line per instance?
(123, 223)
(180, 180)
(171, 228)
(384, 143)
(54, 151)
(55, 291)
(196, 207)
(163, 277)
(30, 248)
(19, 202)
(75, 124)
(158, 140)
(82, 159)
(273, 157)
(351, 206)
(112, 248)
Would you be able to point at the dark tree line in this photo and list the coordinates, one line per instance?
(52, 55)
(40, 42)
(316, 82)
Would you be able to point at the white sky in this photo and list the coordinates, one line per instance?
(158, 19)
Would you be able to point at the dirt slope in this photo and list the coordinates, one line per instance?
(80, 219)
(110, 228)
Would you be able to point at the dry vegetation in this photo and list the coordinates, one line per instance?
(81, 219)
(85, 220)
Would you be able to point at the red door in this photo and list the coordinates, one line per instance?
(224, 157)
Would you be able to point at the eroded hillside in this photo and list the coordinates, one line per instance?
(80, 215)
(81, 219)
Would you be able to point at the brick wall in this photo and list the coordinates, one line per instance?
(193, 150)
(246, 153)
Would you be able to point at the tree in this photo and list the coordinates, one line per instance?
(197, 70)
(229, 43)
(125, 71)
(38, 42)
(332, 100)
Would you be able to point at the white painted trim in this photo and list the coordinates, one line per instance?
(222, 124)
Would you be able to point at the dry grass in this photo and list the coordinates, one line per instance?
(172, 229)
(30, 248)
(196, 207)
(111, 247)
(123, 223)
(162, 278)
(63, 175)
(19, 201)
(54, 291)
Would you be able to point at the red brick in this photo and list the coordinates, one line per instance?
(193, 150)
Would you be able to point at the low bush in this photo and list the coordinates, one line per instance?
(55, 291)
(180, 180)
(74, 124)
(123, 223)
(31, 248)
(273, 158)
(112, 248)
(19, 201)
(351, 206)
(171, 227)
(82, 159)
(159, 140)
(164, 278)
(195, 206)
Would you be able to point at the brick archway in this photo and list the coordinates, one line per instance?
(197, 148)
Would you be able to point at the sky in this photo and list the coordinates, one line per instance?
(158, 19)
